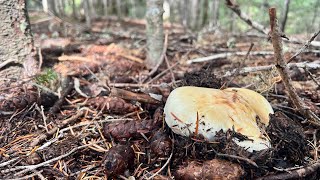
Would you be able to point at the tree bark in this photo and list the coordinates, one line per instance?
(285, 15)
(16, 42)
(154, 32)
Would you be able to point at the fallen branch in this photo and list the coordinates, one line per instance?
(235, 8)
(32, 167)
(225, 55)
(295, 174)
(304, 47)
(245, 70)
(282, 68)
(255, 25)
(4, 63)
(128, 95)
(237, 71)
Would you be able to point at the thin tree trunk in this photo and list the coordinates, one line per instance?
(175, 15)
(314, 23)
(105, 7)
(133, 8)
(154, 32)
(119, 9)
(51, 7)
(214, 12)
(285, 15)
(74, 9)
(193, 14)
(202, 10)
(183, 9)
(92, 9)
(16, 46)
(87, 13)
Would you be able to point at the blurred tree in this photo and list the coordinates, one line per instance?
(284, 15)
(17, 56)
(213, 12)
(87, 12)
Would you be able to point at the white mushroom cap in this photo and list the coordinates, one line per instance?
(204, 111)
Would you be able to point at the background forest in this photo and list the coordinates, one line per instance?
(159, 89)
(302, 16)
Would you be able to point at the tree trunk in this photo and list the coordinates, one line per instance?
(119, 8)
(16, 45)
(154, 32)
(105, 7)
(193, 14)
(183, 8)
(87, 13)
(285, 15)
(74, 9)
(51, 7)
(214, 12)
(133, 8)
(202, 13)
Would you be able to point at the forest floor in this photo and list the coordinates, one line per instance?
(95, 93)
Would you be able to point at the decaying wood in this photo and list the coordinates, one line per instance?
(128, 95)
(294, 174)
(304, 65)
(282, 68)
(225, 55)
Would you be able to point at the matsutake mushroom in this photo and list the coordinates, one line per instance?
(204, 111)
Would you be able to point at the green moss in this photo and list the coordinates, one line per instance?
(46, 77)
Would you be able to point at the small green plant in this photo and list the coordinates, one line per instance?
(46, 77)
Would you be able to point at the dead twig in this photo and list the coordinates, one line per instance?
(173, 79)
(295, 174)
(304, 47)
(4, 63)
(236, 73)
(163, 72)
(304, 65)
(165, 164)
(32, 167)
(121, 85)
(52, 131)
(128, 95)
(227, 54)
(255, 25)
(282, 68)
(235, 8)
(249, 161)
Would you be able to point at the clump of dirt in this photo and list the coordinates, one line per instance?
(203, 78)
(288, 141)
